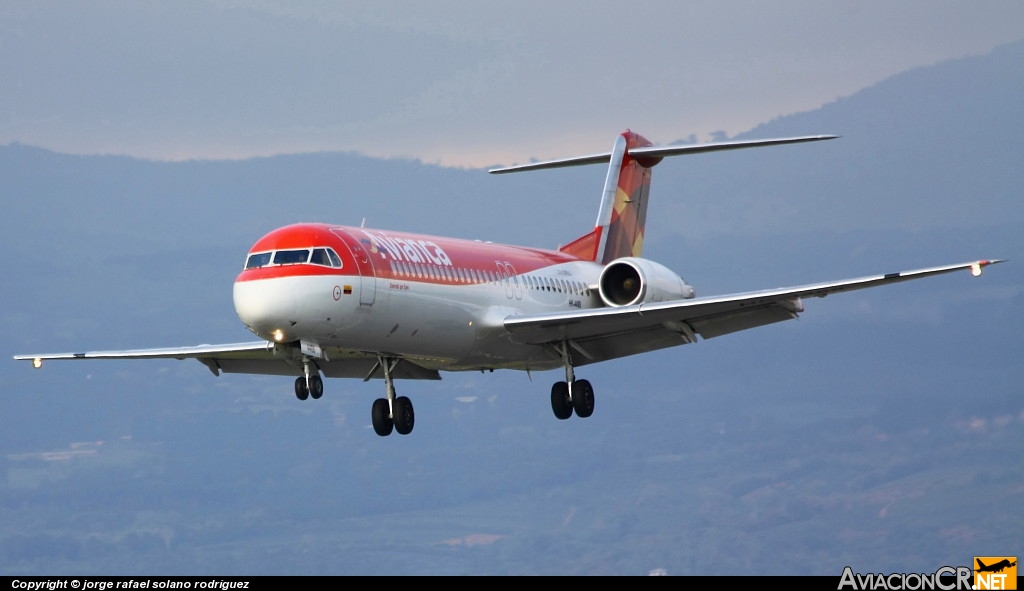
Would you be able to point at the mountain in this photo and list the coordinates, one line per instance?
(881, 431)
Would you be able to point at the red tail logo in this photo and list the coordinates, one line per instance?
(619, 231)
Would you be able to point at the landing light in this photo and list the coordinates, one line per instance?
(976, 269)
(278, 335)
(37, 363)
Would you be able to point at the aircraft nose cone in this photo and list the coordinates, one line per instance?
(264, 306)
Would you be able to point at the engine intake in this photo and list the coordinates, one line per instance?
(631, 280)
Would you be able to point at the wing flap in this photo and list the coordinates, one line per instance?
(717, 326)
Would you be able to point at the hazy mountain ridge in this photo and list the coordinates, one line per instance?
(875, 432)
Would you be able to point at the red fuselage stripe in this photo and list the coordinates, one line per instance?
(401, 256)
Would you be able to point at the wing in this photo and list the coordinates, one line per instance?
(261, 357)
(608, 333)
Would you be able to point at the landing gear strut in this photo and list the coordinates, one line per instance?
(572, 394)
(391, 412)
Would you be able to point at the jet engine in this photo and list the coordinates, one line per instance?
(631, 280)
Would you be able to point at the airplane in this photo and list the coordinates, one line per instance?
(352, 302)
(995, 568)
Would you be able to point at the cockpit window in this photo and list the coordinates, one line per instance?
(325, 257)
(322, 256)
(260, 259)
(291, 257)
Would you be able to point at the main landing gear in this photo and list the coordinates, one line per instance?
(572, 394)
(392, 412)
(575, 395)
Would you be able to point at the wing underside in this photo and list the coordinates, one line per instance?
(261, 357)
(608, 333)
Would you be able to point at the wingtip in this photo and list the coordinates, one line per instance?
(977, 266)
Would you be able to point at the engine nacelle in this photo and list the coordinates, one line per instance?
(630, 280)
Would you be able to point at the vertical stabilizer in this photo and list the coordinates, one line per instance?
(619, 231)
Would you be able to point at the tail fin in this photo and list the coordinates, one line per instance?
(619, 231)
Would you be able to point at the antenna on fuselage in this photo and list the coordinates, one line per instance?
(362, 224)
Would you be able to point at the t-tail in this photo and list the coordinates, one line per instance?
(621, 219)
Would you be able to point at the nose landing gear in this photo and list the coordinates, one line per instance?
(309, 385)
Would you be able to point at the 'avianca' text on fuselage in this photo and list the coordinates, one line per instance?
(338, 301)
(406, 251)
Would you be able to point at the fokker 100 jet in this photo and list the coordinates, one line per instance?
(352, 302)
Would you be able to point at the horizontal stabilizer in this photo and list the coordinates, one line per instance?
(657, 152)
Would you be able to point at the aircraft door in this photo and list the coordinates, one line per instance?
(367, 276)
(511, 280)
(365, 267)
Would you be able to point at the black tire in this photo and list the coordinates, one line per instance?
(582, 398)
(405, 418)
(381, 415)
(316, 387)
(300, 389)
(561, 404)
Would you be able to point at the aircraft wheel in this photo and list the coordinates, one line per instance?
(561, 404)
(316, 387)
(404, 416)
(380, 413)
(300, 388)
(582, 398)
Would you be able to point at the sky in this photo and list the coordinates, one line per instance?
(450, 82)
